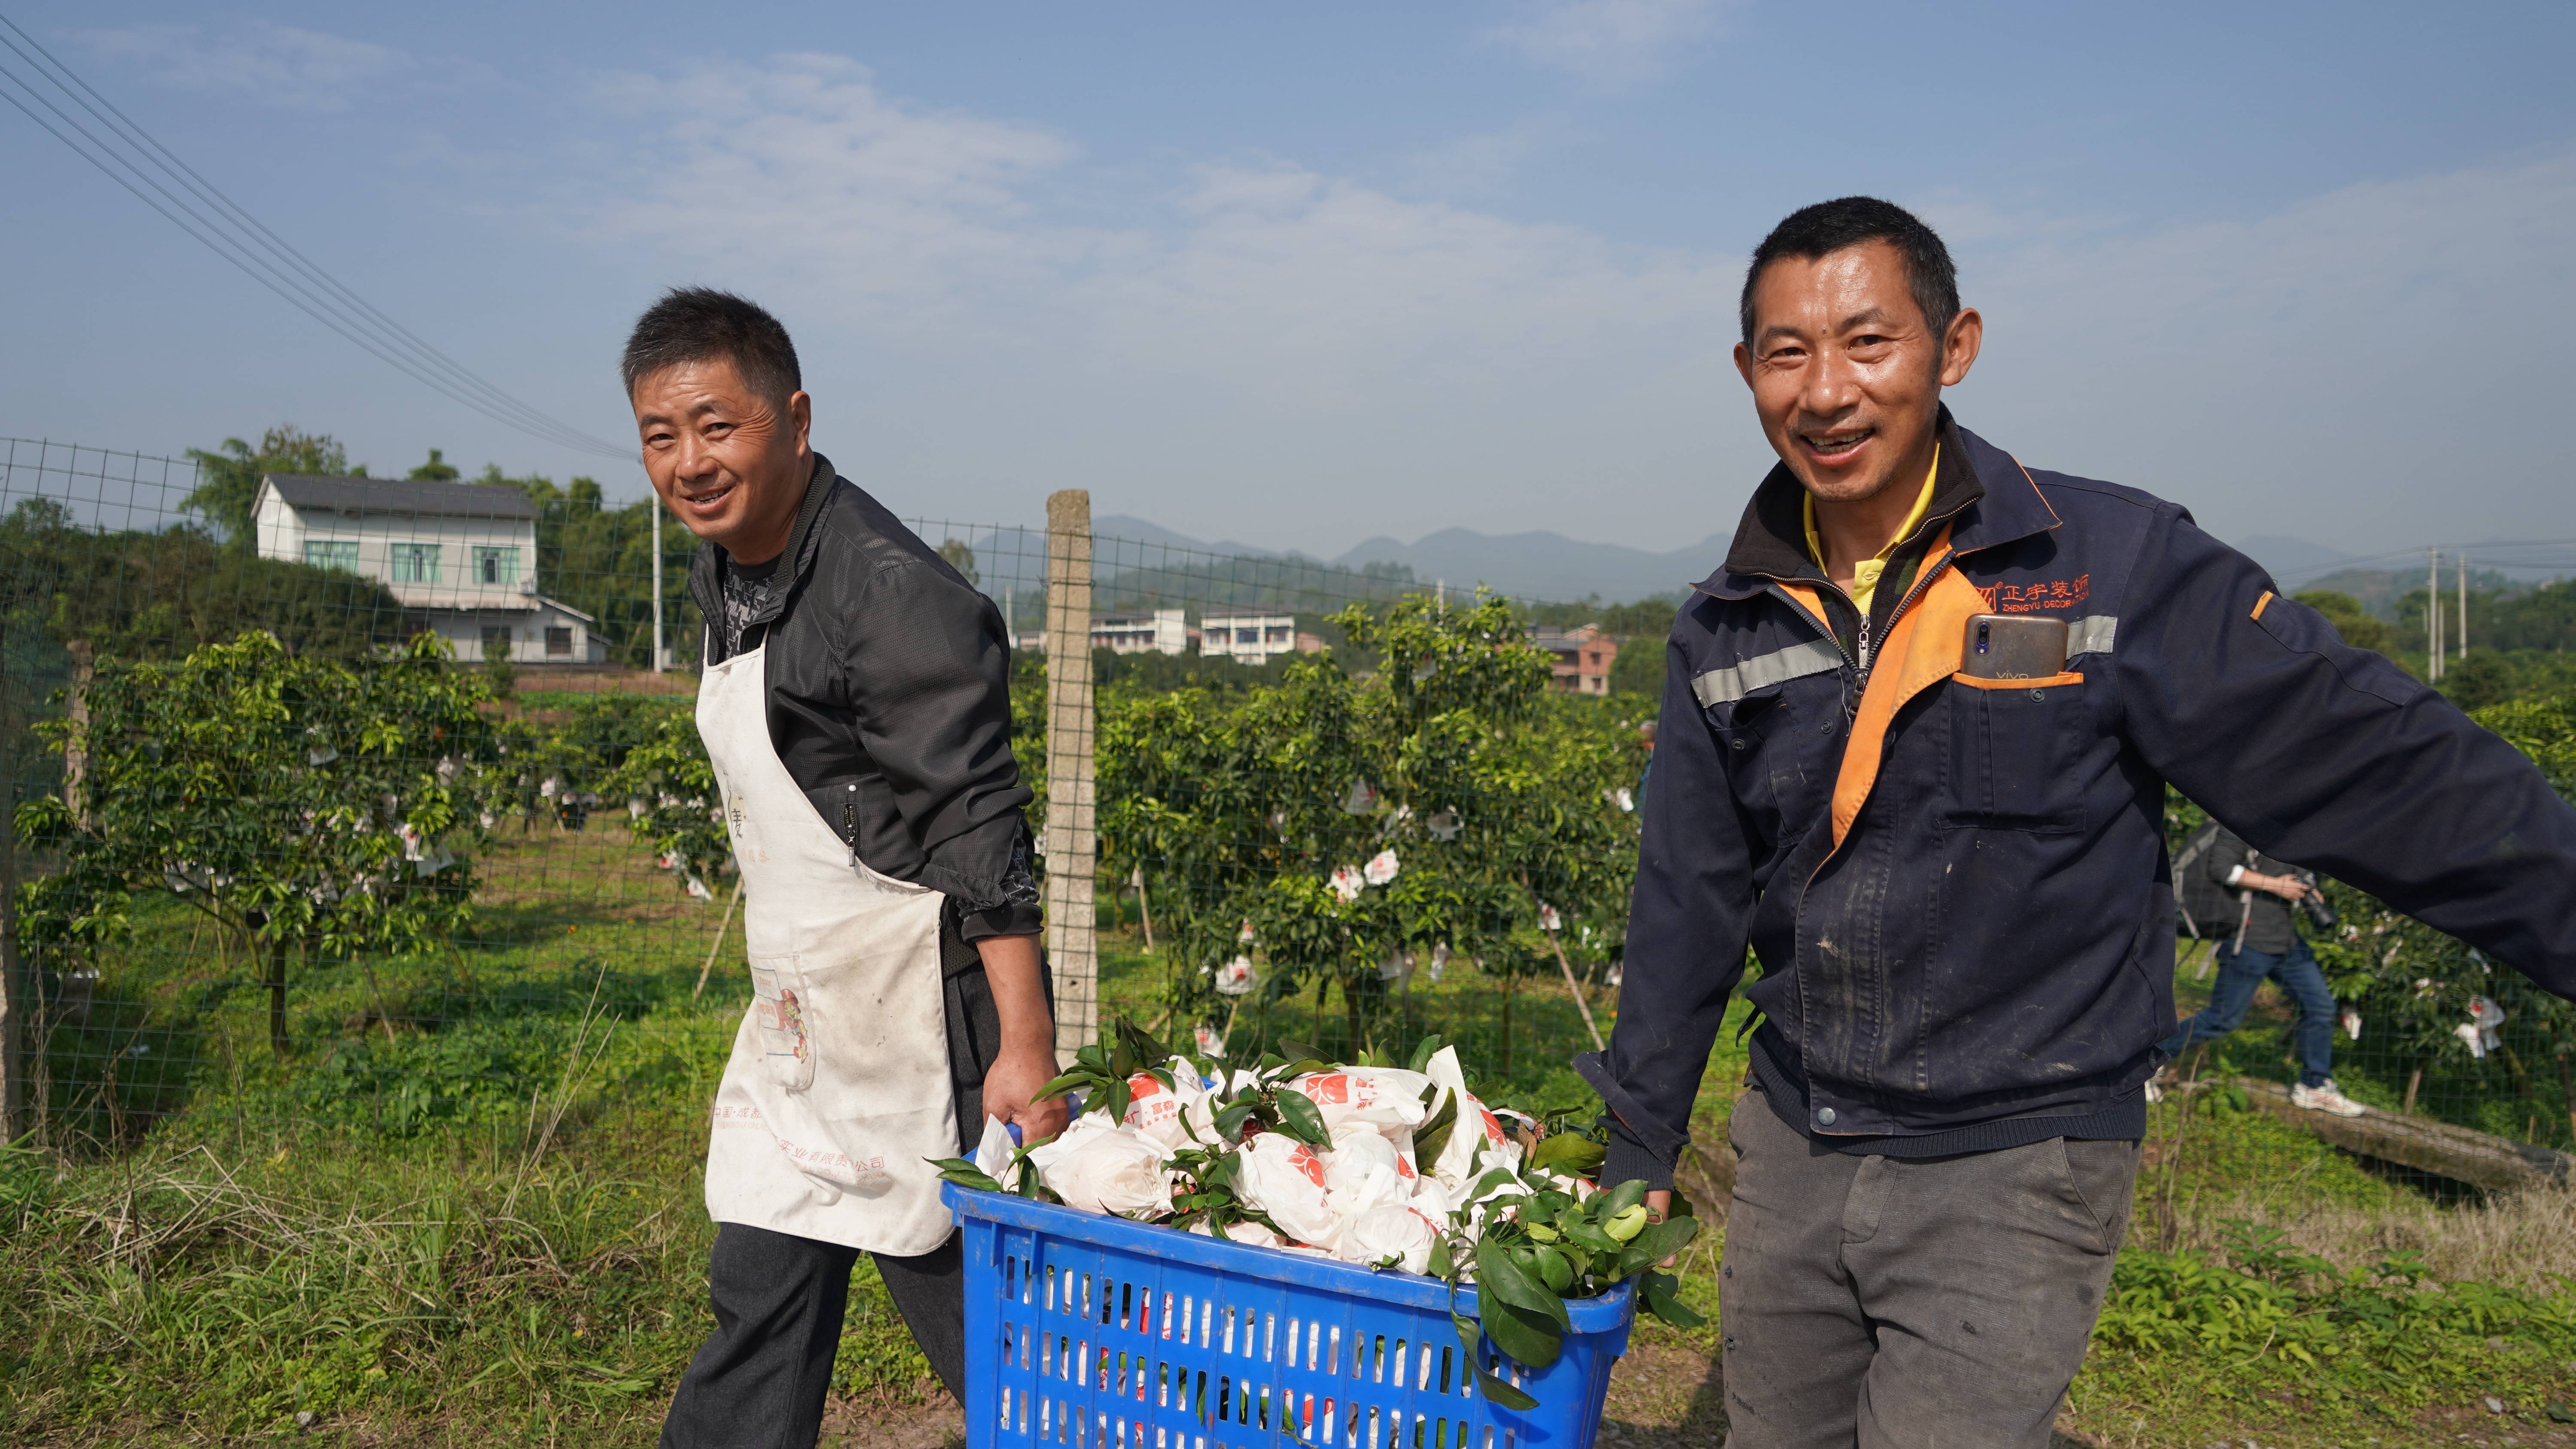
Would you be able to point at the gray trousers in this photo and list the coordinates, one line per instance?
(1880, 1302)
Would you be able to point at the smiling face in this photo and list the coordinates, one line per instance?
(1845, 372)
(728, 462)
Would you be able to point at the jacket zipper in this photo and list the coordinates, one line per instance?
(1851, 711)
(1866, 659)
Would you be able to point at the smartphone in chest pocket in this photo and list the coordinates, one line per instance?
(2013, 646)
(2017, 728)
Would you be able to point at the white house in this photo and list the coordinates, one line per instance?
(1250, 638)
(461, 558)
(1159, 631)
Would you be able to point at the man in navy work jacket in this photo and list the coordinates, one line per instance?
(1957, 886)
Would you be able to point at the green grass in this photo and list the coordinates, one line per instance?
(466, 1209)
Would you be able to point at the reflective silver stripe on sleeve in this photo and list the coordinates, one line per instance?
(2091, 634)
(1721, 686)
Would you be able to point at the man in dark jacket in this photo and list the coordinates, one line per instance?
(856, 709)
(1956, 884)
(2249, 905)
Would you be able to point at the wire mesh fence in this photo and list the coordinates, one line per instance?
(371, 820)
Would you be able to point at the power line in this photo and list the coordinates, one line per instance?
(232, 233)
(2564, 559)
(170, 164)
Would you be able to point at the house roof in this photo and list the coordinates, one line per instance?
(387, 495)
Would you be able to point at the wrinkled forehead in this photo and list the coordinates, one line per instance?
(696, 387)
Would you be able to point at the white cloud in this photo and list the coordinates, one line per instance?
(1266, 351)
(2373, 365)
(277, 65)
(1305, 285)
(803, 169)
(1611, 43)
(1479, 165)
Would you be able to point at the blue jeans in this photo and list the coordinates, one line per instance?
(2239, 972)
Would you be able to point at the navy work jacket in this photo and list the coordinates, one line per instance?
(1957, 887)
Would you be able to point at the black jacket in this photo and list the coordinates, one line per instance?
(890, 703)
(1957, 887)
(2259, 920)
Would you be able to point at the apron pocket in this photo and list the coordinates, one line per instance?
(782, 1004)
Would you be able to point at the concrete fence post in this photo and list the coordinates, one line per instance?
(1072, 848)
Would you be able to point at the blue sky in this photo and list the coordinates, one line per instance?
(1301, 275)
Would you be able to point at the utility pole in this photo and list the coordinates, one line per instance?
(2464, 605)
(654, 501)
(2433, 620)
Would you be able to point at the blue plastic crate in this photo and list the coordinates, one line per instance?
(1094, 1332)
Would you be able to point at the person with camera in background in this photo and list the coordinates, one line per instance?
(2249, 903)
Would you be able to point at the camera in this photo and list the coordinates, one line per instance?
(2314, 906)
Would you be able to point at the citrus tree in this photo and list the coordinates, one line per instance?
(670, 788)
(309, 807)
(1330, 828)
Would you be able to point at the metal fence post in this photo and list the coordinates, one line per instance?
(1072, 849)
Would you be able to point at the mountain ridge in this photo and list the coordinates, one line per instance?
(1541, 565)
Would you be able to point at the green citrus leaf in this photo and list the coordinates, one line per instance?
(1500, 1276)
(964, 1173)
(1531, 1340)
(1299, 1118)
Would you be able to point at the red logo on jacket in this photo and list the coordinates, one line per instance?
(2030, 598)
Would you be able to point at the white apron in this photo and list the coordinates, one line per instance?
(838, 1087)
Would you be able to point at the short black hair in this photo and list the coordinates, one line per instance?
(695, 324)
(1830, 226)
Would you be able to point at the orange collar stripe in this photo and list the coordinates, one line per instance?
(1919, 652)
(1812, 602)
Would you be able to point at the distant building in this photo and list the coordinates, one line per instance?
(1159, 631)
(1253, 638)
(1579, 659)
(461, 558)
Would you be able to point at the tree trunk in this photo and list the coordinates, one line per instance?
(2414, 1079)
(2521, 1078)
(273, 959)
(76, 743)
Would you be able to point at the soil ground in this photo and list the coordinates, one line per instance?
(1661, 1397)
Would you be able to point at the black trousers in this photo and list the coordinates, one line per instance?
(759, 1381)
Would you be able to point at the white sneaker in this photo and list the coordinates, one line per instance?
(2324, 1097)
